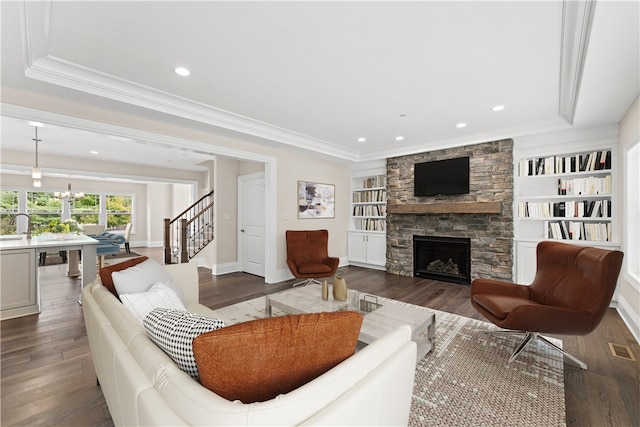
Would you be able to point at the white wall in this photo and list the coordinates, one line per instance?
(294, 169)
(182, 197)
(248, 168)
(629, 299)
(226, 209)
(158, 207)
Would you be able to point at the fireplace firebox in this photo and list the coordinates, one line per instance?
(442, 258)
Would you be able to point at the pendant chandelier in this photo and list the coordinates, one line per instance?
(36, 173)
(68, 195)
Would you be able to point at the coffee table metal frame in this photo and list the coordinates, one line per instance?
(377, 323)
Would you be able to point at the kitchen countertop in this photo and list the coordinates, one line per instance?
(37, 242)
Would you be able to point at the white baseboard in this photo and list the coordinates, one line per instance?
(226, 268)
(371, 266)
(629, 317)
(282, 275)
(199, 261)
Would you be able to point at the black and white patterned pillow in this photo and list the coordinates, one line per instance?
(174, 330)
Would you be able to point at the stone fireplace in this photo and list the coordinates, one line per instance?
(442, 258)
(490, 231)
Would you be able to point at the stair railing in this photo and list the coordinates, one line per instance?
(190, 231)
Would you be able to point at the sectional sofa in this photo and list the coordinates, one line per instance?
(143, 386)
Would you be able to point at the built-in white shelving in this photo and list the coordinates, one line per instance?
(369, 204)
(565, 189)
(566, 196)
(366, 237)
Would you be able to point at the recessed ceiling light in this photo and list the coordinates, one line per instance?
(498, 108)
(461, 125)
(362, 139)
(93, 152)
(181, 71)
(399, 138)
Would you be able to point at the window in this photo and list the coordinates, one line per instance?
(43, 208)
(118, 211)
(86, 209)
(8, 208)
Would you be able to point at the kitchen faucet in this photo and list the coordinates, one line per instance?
(13, 221)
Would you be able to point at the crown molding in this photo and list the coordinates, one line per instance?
(557, 142)
(476, 138)
(41, 65)
(577, 19)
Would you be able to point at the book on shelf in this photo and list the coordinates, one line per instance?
(577, 230)
(368, 196)
(596, 160)
(375, 181)
(373, 224)
(369, 210)
(587, 186)
(566, 209)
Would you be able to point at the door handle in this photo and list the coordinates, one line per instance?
(242, 230)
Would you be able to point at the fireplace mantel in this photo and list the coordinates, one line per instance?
(444, 207)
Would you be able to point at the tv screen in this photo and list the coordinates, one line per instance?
(449, 176)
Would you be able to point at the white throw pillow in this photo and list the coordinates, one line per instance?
(159, 295)
(140, 277)
(173, 331)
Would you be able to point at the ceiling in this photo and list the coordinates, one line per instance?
(317, 76)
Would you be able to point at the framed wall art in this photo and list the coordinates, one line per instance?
(316, 200)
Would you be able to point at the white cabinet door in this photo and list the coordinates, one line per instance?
(368, 249)
(18, 285)
(357, 247)
(525, 262)
(377, 249)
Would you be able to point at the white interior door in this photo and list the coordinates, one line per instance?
(251, 212)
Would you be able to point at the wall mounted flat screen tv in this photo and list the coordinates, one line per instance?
(450, 176)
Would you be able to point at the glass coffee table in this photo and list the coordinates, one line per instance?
(381, 315)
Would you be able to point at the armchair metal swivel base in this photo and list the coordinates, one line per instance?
(306, 282)
(533, 336)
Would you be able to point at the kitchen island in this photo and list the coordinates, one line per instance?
(19, 281)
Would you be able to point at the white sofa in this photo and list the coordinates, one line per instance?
(142, 385)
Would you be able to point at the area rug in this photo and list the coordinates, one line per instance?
(466, 380)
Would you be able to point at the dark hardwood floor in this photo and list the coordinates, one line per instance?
(47, 376)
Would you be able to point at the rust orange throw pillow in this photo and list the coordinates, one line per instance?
(105, 272)
(258, 360)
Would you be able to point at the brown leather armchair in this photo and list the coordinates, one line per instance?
(569, 295)
(308, 257)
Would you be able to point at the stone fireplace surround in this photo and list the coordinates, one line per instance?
(491, 234)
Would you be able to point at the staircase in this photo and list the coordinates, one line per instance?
(189, 232)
